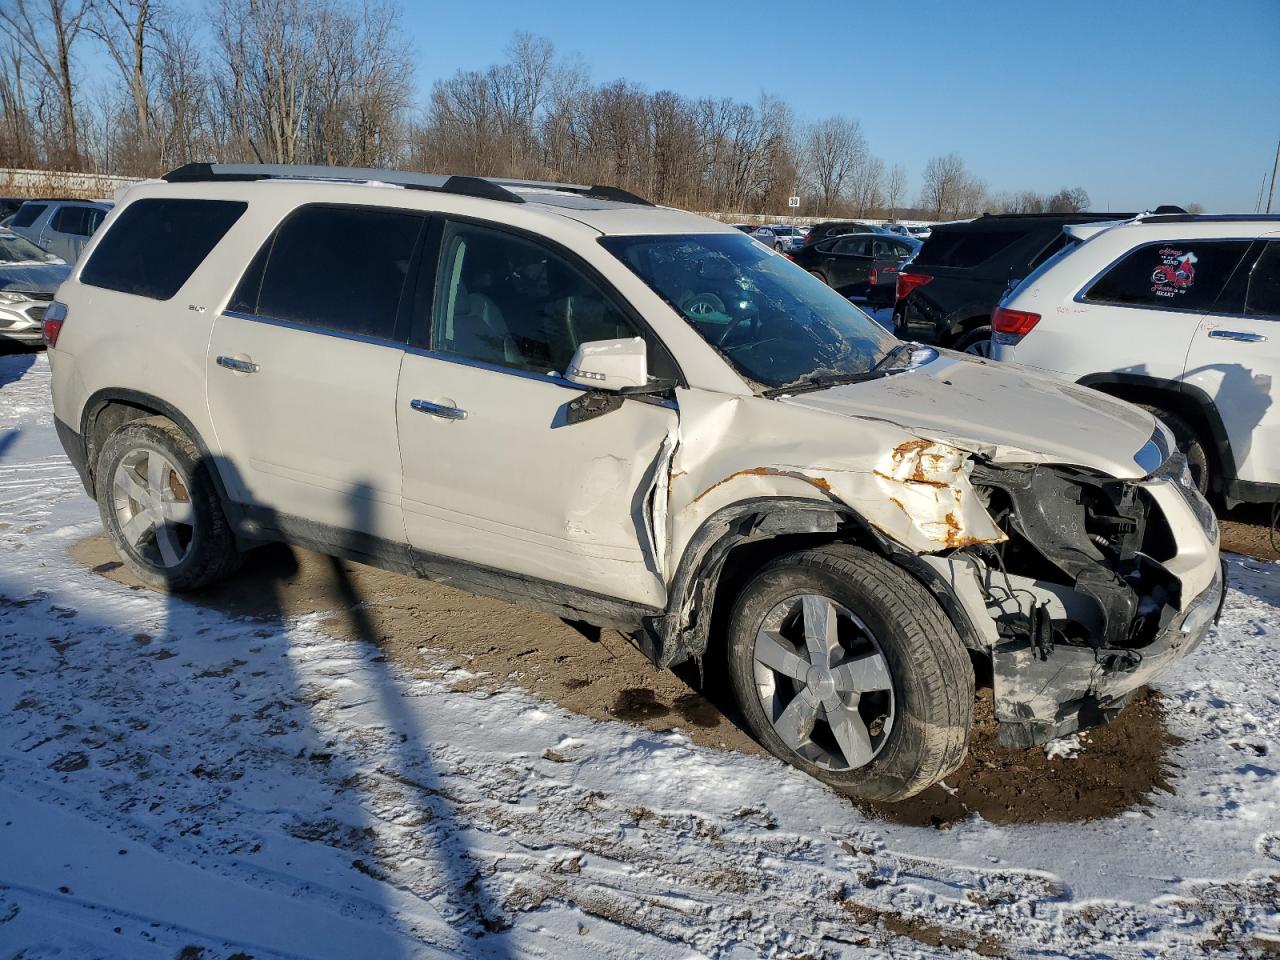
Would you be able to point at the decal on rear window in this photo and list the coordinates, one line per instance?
(1175, 273)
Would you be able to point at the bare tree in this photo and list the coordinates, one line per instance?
(46, 31)
(944, 177)
(128, 29)
(895, 188)
(1068, 201)
(834, 147)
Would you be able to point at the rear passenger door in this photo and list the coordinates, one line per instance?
(1235, 359)
(494, 474)
(302, 371)
(851, 264)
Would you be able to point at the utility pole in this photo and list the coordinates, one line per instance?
(1271, 196)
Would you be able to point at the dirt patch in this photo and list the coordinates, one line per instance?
(1247, 529)
(1120, 766)
(597, 673)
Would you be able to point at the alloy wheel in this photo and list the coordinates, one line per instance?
(153, 508)
(824, 682)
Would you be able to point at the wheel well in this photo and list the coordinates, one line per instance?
(972, 323)
(1181, 404)
(104, 421)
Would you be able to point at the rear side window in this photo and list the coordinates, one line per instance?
(28, 213)
(1171, 275)
(965, 248)
(336, 268)
(155, 245)
(850, 246)
(77, 221)
(1263, 298)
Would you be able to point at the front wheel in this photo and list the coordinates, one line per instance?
(160, 508)
(845, 667)
(1189, 443)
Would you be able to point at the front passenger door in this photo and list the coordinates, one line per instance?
(494, 474)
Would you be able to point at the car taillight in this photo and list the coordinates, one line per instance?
(1018, 323)
(790, 257)
(54, 317)
(909, 281)
(873, 277)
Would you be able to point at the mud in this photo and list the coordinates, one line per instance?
(597, 673)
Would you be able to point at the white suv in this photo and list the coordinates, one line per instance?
(633, 416)
(1178, 313)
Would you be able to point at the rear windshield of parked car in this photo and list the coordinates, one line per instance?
(774, 322)
(1170, 275)
(28, 213)
(334, 267)
(964, 248)
(156, 244)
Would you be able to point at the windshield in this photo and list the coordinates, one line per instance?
(774, 322)
(16, 249)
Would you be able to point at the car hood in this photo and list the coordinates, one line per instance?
(33, 277)
(1002, 411)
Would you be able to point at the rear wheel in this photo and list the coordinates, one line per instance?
(845, 667)
(815, 273)
(1189, 443)
(160, 508)
(976, 342)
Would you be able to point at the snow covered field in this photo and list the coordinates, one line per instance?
(175, 782)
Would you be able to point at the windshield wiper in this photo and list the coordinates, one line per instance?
(884, 367)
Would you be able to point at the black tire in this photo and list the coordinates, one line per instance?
(815, 274)
(1190, 444)
(930, 670)
(210, 546)
(971, 340)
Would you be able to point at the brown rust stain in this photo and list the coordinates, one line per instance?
(917, 477)
(819, 482)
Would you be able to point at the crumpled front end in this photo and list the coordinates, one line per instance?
(1100, 586)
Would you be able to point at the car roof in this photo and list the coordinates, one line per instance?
(607, 210)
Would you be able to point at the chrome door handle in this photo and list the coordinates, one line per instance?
(239, 366)
(1240, 335)
(438, 410)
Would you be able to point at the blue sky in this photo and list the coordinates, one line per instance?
(1139, 103)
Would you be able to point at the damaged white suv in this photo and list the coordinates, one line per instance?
(632, 416)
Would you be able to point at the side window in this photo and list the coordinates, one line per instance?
(336, 268)
(886, 249)
(1174, 274)
(155, 245)
(28, 214)
(1058, 243)
(505, 300)
(95, 216)
(72, 220)
(851, 246)
(1263, 298)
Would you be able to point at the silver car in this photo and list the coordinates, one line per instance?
(61, 227)
(29, 277)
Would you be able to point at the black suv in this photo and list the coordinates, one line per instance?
(836, 228)
(947, 292)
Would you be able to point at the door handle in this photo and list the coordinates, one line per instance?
(438, 410)
(239, 366)
(1239, 335)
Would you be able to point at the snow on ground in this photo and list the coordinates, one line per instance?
(172, 779)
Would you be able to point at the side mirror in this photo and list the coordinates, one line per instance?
(610, 364)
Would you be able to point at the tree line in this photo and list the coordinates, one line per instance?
(332, 82)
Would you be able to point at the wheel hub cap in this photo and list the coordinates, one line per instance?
(824, 682)
(153, 508)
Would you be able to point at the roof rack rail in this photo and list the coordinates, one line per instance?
(488, 188)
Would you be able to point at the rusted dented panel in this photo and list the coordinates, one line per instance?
(913, 489)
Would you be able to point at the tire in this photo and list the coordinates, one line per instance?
(924, 665)
(817, 276)
(1189, 443)
(976, 342)
(176, 555)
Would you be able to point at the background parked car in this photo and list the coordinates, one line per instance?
(835, 228)
(779, 236)
(1178, 314)
(60, 226)
(29, 277)
(9, 206)
(858, 265)
(946, 294)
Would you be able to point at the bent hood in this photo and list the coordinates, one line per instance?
(1004, 411)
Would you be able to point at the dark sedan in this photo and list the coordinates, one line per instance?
(859, 264)
(29, 277)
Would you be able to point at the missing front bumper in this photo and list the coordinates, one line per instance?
(1039, 697)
